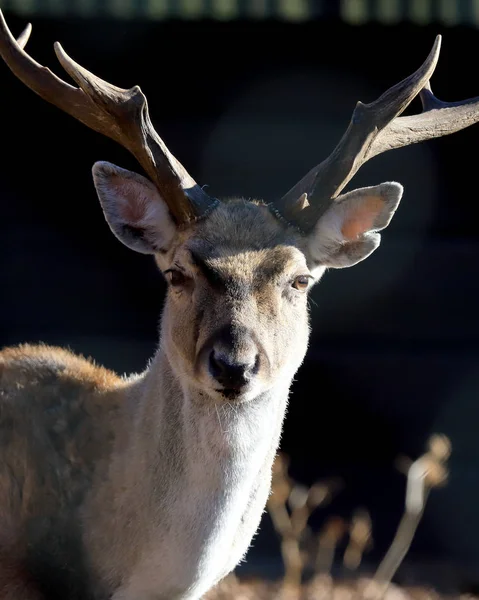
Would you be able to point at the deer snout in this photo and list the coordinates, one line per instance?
(230, 372)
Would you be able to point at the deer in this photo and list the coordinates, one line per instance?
(153, 485)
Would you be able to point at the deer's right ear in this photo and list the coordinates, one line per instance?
(133, 208)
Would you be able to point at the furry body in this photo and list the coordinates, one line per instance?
(69, 467)
(151, 486)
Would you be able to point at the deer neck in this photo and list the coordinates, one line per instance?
(195, 476)
(211, 452)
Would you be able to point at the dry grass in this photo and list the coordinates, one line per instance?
(290, 506)
(320, 587)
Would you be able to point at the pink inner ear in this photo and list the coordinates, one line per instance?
(361, 218)
(133, 208)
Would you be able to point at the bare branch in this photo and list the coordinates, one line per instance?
(424, 474)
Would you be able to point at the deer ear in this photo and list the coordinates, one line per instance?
(346, 233)
(133, 208)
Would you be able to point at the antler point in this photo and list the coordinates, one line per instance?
(59, 51)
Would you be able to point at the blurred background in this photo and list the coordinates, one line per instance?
(250, 94)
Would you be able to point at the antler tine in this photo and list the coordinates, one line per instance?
(23, 38)
(127, 111)
(120, 114)
(437, 119)
(38, 78)
(325, 181)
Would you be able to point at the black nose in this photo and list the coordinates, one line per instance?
(231, 375)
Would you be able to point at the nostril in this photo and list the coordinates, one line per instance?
(255, 368)
(216, 365)
(231, 374)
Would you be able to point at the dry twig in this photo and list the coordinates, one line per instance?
(427, 472)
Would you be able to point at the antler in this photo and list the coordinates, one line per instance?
(120, 114)
(375, 128)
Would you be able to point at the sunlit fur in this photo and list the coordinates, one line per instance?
(156, 484)
(153, 486)
(259, 258)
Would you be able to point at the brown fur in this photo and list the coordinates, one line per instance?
(154, 486)
(16, 582)
(57, 427)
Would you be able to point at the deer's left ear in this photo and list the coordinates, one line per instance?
(347, 232)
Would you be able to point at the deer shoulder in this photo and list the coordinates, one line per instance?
(58, 425)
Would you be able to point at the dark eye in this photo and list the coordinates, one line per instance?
(301, 283)
(175, 277)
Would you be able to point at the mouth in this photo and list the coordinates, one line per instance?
(229, 393)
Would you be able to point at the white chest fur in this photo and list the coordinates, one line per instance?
(213, 504)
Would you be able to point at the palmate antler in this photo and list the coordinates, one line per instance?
(375, 128)
(117, 113)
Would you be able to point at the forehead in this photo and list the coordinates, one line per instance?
(242, 236)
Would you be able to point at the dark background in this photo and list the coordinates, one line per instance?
(248, 107)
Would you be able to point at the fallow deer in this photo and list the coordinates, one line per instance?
(152, 486)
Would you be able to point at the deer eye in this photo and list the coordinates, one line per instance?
(301, 282)
(175, 277)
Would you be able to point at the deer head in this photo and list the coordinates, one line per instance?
(235, 321)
